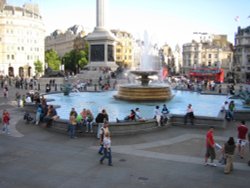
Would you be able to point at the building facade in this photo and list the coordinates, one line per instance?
(124, 48)
(63, 42)
(21, 39)
(217, 53)
(241, 65)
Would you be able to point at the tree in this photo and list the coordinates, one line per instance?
(38, 67)
(53, 60)
(75, 60)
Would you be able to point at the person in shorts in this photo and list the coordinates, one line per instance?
(242, 138)
(210, 147)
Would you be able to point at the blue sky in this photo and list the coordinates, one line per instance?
(167, 21)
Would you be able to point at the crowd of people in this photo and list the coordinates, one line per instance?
(85, 121)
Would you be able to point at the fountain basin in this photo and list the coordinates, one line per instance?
(143, 93)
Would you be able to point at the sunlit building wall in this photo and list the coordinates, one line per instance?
(241, 64)
(124, 48)
(21, 39)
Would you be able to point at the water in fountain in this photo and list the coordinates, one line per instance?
(148, 55)
(145, 91)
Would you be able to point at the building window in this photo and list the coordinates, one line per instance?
(209, 55)
(12, 57)
(8, 56)
(215, 55)
(209, 64)
(248, 59)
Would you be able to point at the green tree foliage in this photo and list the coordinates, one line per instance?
(53, 60)
(38, 67)
(75, 60)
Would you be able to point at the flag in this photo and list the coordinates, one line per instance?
(237, 18)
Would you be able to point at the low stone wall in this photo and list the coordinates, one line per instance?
(124, 128)
(135, 127)
(242, 115)
(199, 121)
(31, 107)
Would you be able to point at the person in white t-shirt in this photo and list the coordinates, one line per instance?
(157, 115)
(189, 115)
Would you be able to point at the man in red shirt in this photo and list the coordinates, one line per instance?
(210, 144)
(242, 139)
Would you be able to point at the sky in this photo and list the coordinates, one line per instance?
(166, 21)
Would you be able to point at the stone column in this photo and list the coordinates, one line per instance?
(100, 11)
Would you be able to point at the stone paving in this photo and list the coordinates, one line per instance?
(32, 156)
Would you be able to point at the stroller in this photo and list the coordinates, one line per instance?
(27, 117)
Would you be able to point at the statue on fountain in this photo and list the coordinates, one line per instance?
(244, 95)
(66, 88)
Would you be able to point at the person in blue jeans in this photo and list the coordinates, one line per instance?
(72, 126)
(103, 130)
(107, 149)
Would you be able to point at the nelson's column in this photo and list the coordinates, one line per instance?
(101, 41)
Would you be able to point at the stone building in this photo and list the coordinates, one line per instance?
(21, 39)
(63, 42)
(124, 48)
(241, 65)
(214, 53)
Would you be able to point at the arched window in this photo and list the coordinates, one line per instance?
(21, 72)
(29, 71)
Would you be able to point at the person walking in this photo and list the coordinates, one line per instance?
(107, 149)
(6, 121)
(103, 130)
(228, 150)
(210, 147)
(241, 142)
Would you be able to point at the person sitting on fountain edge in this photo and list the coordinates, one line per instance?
(189, 115)
(130, 117)
(165, 113)
(138, 116)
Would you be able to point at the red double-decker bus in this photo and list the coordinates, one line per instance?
(215, 74)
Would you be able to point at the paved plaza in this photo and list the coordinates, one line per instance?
(32, 156)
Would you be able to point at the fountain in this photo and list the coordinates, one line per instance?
(145, 91)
